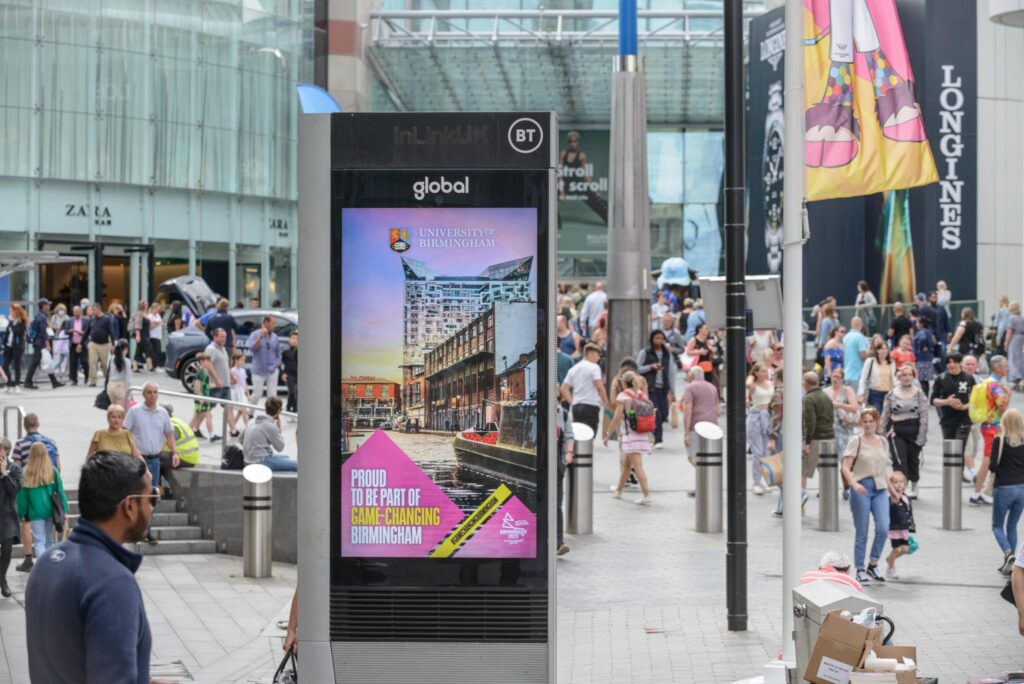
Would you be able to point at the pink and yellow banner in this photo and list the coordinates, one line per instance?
(864, 132)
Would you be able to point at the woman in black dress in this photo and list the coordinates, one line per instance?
(10, 483)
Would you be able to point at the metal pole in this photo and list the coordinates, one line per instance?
(952, 471)
(828, 484)
(580, 514)
(735, 318)
(709, 477)
(792, 325)
(629, 229)
(257, 521)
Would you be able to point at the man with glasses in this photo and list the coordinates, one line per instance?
(84, 612)
(152, 430)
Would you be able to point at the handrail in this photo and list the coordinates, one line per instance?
(205, 400)
(21, 418)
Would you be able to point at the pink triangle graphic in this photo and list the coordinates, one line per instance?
(510, 533)
(379, 460)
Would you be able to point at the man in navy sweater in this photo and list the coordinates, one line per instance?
(84, 612)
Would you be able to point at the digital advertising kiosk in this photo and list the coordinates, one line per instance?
(426, 440)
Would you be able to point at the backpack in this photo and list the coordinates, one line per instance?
(641, 416)
(233, 458)
(978, 405)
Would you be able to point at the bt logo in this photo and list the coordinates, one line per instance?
(525, 135)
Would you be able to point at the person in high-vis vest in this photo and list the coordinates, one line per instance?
(186, 441)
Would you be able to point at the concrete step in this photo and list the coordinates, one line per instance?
(183, 546)
(165, 506)
(185, 533)
(159, 519)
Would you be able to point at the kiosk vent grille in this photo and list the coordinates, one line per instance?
(452, 614)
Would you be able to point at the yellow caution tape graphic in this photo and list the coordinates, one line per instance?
(461, 533)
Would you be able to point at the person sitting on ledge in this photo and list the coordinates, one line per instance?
(262, 440)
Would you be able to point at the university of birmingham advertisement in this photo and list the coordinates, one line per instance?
(441, 301)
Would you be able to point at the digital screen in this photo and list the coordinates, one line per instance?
(439, 377)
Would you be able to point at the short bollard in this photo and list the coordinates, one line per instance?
(580, 498)
(709, 477)
(828, 483)
(257, 524)
(952, 474)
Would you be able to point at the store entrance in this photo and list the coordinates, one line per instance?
(113, 272)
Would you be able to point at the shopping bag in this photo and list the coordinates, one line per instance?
(687, 362)
(912, 545)
(674, 416)
(46, 361)
(288, 671)
(771, 469)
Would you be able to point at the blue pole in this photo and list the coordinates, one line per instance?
(627, 27)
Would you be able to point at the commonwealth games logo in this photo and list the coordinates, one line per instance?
(400, 239)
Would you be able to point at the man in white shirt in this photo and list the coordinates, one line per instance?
(593, 307)
(584, 388)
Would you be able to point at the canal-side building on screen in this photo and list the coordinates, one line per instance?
(369, 401)
(462, 388)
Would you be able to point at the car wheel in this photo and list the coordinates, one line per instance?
(188, 375)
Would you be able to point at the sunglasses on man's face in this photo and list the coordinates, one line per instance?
(153, 496)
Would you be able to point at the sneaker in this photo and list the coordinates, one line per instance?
(17, 389)
(1007, 567)
(759, 490)
(863, 577)
(967, 476)
(643, 501)
(151, 540)
(659, 445)
(875, 575)
(980, 500)
(199, 433)
(563, 549)
(890, 574)
(803, 501)
(692, 493)
(215, 438)
(33, 386)
(234, 433)
(777, 513)
(25, 565)
(912, 490)
(616, 492)
(58, 384)
(632, 481)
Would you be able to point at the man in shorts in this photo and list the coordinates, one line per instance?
(584, 389)
(999, 391)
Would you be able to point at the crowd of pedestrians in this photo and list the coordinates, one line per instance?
(878, 379)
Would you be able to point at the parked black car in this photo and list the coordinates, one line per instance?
(183, 345)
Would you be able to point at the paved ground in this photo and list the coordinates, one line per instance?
(642, 600)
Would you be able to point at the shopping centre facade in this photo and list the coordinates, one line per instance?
(154, 138)
(157, 138)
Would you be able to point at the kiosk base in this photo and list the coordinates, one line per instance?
(447, 662)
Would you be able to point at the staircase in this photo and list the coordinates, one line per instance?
(170, 526)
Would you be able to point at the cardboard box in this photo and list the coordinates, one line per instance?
(839, 650)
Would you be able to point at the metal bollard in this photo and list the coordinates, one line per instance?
(257, 523)
(580, 497)
(709, 477)
(952, 472)
(828, 484)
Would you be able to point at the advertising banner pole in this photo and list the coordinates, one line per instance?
(792, 327)
(735, 320)
(629, 232)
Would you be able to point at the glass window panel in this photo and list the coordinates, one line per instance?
(16, 160)
(704, 166)
(122, 146)
(67, 28)
(702, 239)
(174, 90)
(64, 138)
(175, 154)
(218, 96)
(121, 84)
(665, 166)
(66, 82)
(217, 159)
(17, 22)
(122, 25)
